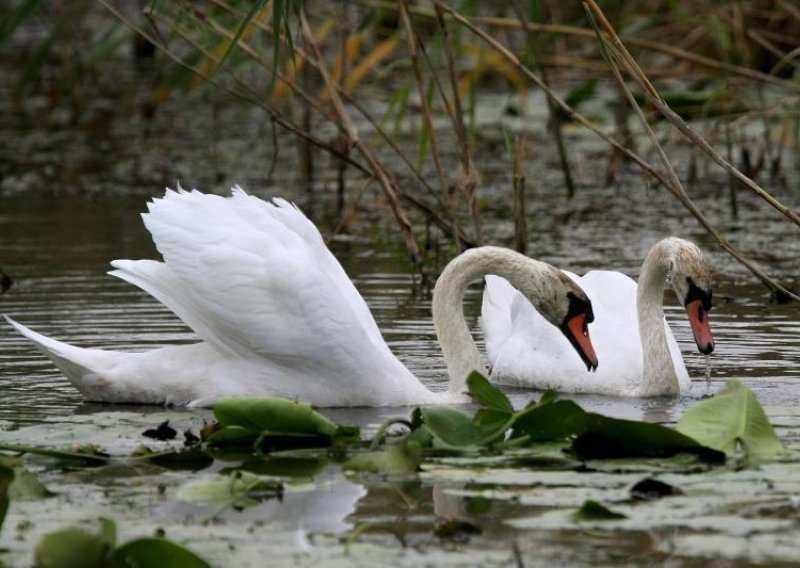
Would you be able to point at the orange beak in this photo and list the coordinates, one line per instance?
(579, 337)
(701, 326)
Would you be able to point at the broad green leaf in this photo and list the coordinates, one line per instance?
(155, 553)
(490, 420)
(240, 489)
(233, 436)
(276, 415)
(552, 421)
(454, 429)
(606, 437)
(549, 396)
(73, 547)
(403, 457)
(487, 395)
(731, 417)
(26, 485)
(594, 511)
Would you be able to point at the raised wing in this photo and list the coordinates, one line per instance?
(253, 278)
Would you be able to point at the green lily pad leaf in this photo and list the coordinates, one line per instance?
(155, 552)
(487, 395)
(403, 457)
(455, 430)
(26, 485)
(594, 511)
(549, 396)
(76, 547)
(6, 478)
(732, 417)
(606, 437)
(275, 415)
(497, 409)
(551, 421)
(240, 489)
(233, 436)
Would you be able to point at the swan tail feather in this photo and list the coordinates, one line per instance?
(70, 360)
(158, 280)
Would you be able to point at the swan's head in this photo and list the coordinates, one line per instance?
(565, 305)
(690, 275)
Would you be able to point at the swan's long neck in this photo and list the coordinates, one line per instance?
(659, 371)
(460, 351)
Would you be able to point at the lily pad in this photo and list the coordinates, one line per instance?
(403, 457)
(733, 418)
(154, 552)
(454, 429)
(73, 547)
(275, 415)
(606, 437)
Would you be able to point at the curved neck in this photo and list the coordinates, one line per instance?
(659, 372)
(460, 351)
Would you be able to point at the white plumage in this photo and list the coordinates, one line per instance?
(276, 313)
(638, 353)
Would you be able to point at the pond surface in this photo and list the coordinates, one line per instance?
(57, 247)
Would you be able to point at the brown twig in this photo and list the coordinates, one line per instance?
(626, 59)
(413, 41)
(518, 197)
(470, 179)
(349, 129)
(553, 121)
(676, 190)
(672, 182)
(727, 69)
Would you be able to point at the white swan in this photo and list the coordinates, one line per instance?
(278, 316)
(639, 353)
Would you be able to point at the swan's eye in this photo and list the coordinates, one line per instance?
(697, 293)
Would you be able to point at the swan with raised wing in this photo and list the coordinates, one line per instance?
(636, 346)
(278, 316)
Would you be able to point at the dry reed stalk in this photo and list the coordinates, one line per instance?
(447, 226)
(469, 178)
(576, 31)
(447, 203)
(615, 44)
(416, 201)
(553, 122)
(732, 183)
(254, 98)
(668, 181)
(672, 182)
(518, 200)
(349, 129)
